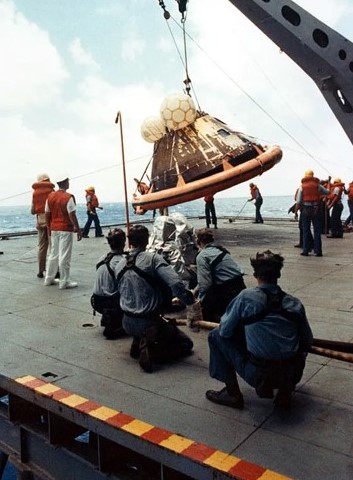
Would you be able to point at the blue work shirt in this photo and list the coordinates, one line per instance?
(273, 337)
(226, 269)
(105, 284)
(137, 296)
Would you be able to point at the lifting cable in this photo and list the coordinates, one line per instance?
(297, 142)
(187, 81)
(184, 59)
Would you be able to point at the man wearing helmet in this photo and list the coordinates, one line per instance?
(335, 202)
(308, 201)
(92, 205)
(41, 190)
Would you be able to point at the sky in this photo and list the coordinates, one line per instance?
(68, 68)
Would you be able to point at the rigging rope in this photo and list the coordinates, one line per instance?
(187, 81)
(28, 192)
(256, 103)
(145, 173)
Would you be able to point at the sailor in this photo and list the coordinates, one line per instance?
(144, 282)
(142, 187)
(210, 211)
(323, 210)
(263, 336)
(92, 204)
(349, 193)
(308, 200)
(105, 298)
(300, 225)
(41, 189)
(60, 213)
(335, 203)
(219, 276)
(256, 195)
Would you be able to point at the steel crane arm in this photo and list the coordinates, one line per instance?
(324, 54)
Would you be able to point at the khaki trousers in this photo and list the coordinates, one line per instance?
(43, 244)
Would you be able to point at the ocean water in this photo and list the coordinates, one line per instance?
(19, 218)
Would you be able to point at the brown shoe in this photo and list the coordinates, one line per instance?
(283, 400)
(222, 397)
(145, 360)
(135, 348)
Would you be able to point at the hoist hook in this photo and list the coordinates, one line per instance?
(182, 6)
(182, 9)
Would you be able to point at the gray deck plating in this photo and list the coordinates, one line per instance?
(51, 334)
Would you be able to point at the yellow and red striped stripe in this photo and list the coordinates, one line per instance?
(197, 452)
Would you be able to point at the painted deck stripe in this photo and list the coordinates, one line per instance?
(221, 460)
(102, 413)
(47, 389)
(233, 466)
(137, 427)
(119, 420)
(156, 435)
(176, 443)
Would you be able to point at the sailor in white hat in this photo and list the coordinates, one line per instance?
(60, 211)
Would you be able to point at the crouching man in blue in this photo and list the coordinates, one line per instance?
(264, 337)
(105, 298)
(219, 277)
(145, 284)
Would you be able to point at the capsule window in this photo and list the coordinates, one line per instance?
(223, 133)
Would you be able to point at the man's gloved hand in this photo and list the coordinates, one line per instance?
(193, 312)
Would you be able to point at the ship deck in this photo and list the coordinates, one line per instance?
(52, 335)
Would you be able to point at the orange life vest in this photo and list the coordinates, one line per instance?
(40, 195)
(93, 200)
(253, 191)
(60, 219)
(326, 198)
(339, 194)
(350, 191)
(310, 189)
